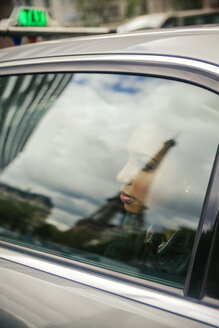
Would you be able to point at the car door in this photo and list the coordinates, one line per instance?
(108, 195)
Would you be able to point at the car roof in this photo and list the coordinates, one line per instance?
(200, 43)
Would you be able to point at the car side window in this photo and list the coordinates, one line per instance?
(211, 18)
(171, 22)
(194, 20)
(106, 169)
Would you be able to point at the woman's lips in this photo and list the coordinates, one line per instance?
(125, 198)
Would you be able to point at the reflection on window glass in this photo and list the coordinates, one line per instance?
(106, 169)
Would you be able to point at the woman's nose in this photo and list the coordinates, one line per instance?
(127, 174)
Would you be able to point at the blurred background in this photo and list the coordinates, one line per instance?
(101, 12)
(96, 13)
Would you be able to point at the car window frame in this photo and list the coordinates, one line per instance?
(173, 68)
(200, 73)
(197, 273)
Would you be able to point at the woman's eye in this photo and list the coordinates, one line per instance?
(141, 162)
(151, 165)
(148, 167)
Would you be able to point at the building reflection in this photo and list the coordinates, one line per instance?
(24, 100)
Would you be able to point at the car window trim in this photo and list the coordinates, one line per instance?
(176, 305)
(207, 299)
(200, 73)
(60, 259)
(197, 272)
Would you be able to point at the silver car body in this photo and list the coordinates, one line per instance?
(45, 290)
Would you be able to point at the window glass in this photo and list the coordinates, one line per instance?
(212, 18)
(194, 20)
(107, 169)
(171, 22)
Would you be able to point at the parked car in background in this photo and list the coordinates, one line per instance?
(170, 19)
(109, 181)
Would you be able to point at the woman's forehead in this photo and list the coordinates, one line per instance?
(145, 140)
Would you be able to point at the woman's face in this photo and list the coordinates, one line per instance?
(135, 175)
(136, 184)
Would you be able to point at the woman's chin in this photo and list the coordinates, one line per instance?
(134, 208)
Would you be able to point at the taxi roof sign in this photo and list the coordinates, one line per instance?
(32, 17)
(27, 16)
